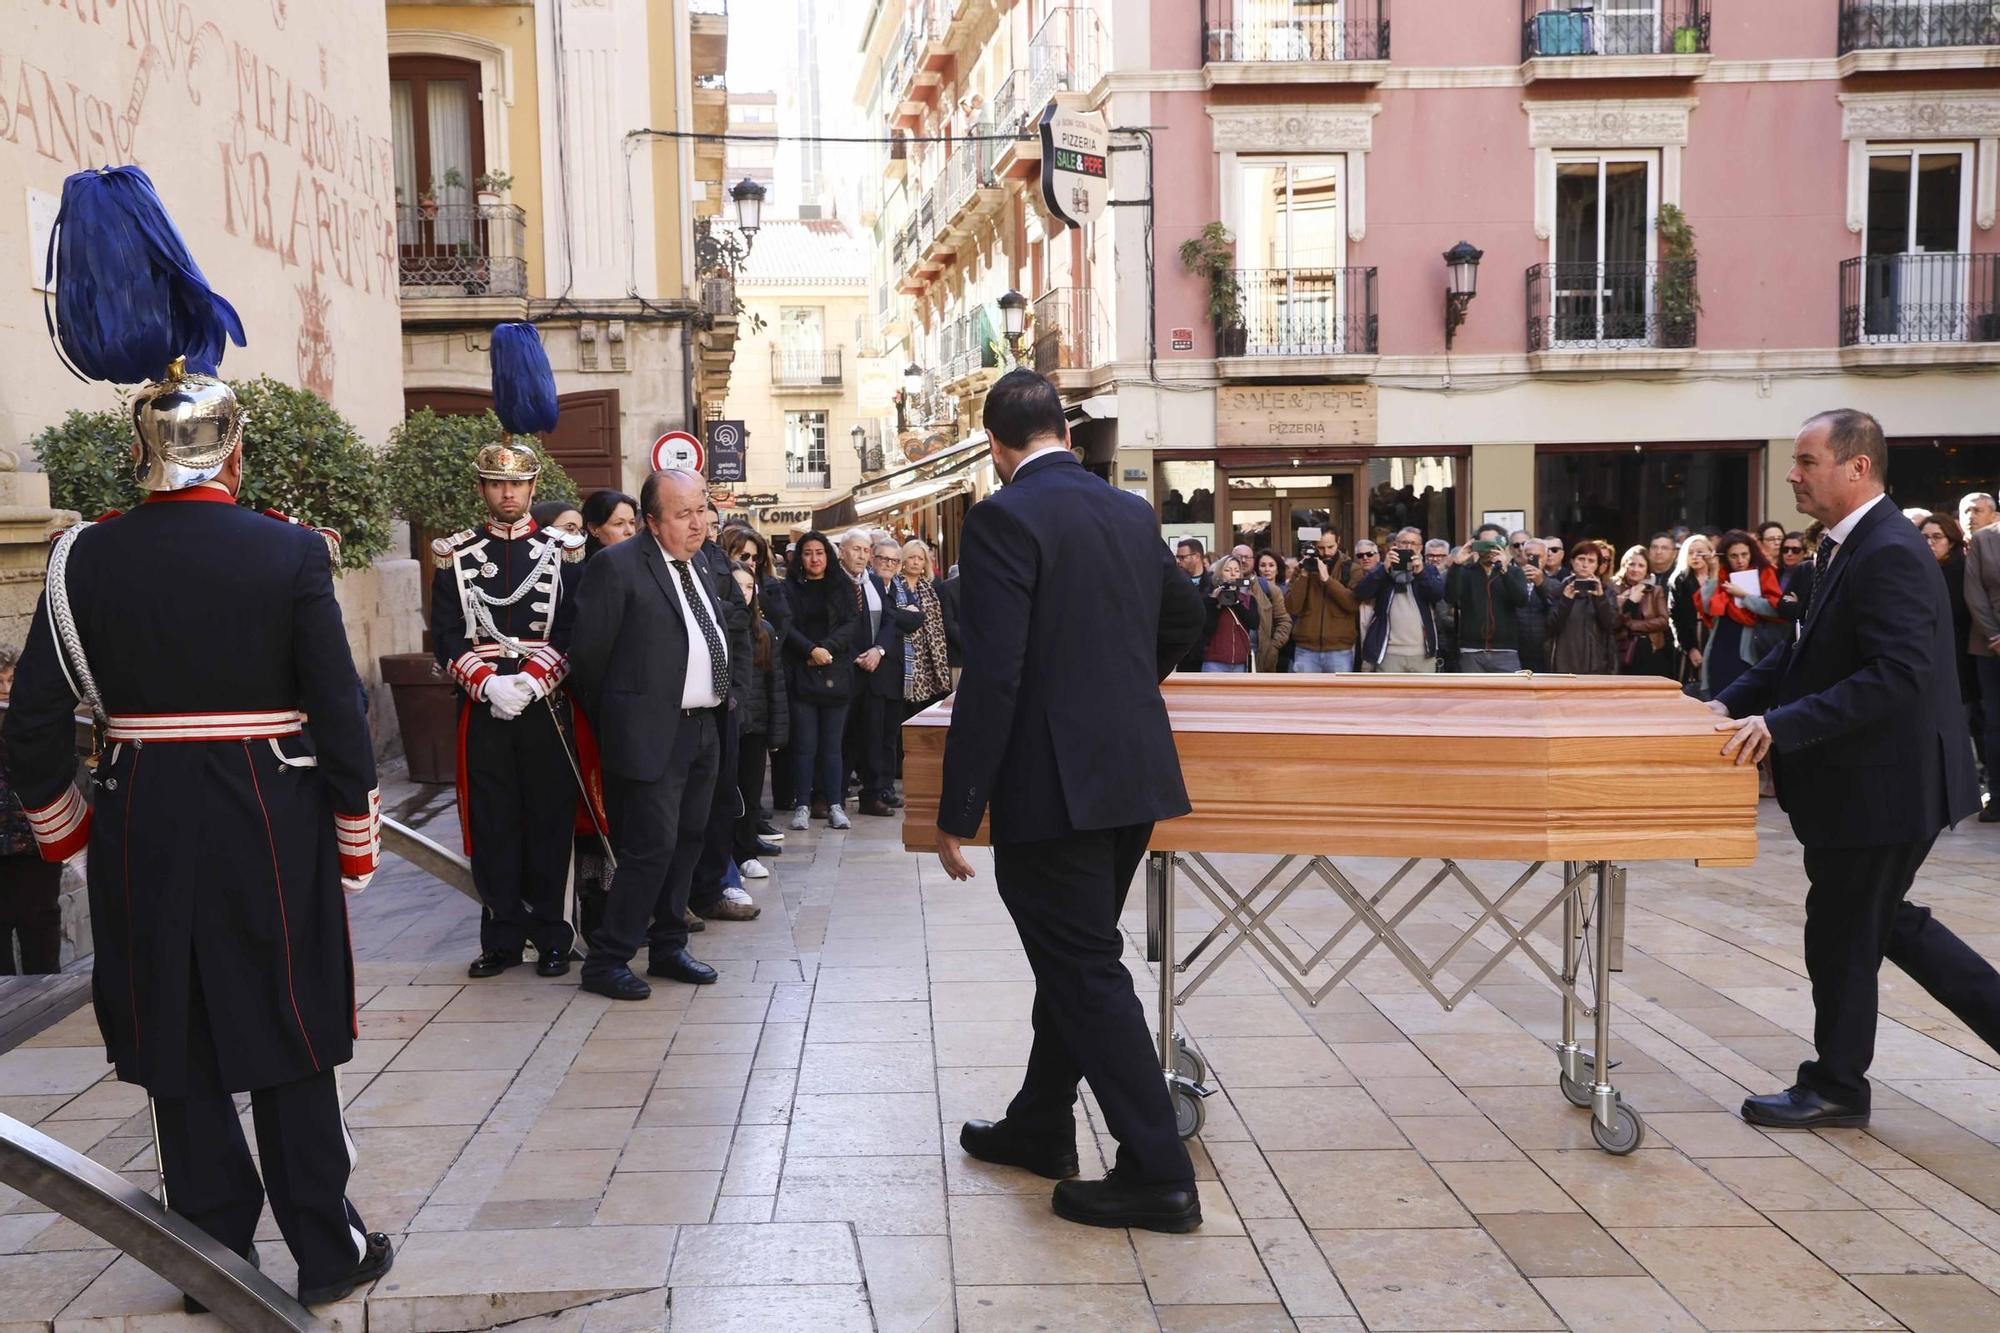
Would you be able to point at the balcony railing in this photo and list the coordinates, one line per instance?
(815, 480)
(1294, 30)
(1555, 28)
(1890, 25)
(805, 367)
(1307, 312)
(461, 250)
(1611, 304)
(1067, 336)
(1009, 111)
(1065, 55)
(1943, 298)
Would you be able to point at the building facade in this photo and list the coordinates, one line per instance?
(527, 188)
(1701, 221)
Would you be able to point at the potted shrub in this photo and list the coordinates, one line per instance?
(427, 201)
(1676, 295)
(428, 480)
(1211, 255)
(492, 185)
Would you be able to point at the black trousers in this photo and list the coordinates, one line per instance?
(1855, 917)
(872, 735)
(29, 889)
(751, 752)
(302, 1144)
(523, 814)
(657, 829)
(1065, 895)
(718, 842)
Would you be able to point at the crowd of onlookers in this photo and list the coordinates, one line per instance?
(1698, 607)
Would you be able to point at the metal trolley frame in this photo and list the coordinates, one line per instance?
(1588, 939)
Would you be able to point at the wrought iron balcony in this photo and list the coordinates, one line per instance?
(1894, 25)
(1611, 305)
(1284, 30)
(1556, 28)
(457, 250)
(1066, 331)
(1305, 312)
(1941, 298)
(1009, 111)
(805, 367)
(817, 479)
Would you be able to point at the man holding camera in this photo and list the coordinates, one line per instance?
(1323, 605)
(1487, 594)
(1531, 620)
(1404, 591)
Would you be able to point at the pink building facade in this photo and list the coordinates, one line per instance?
(1700, 221)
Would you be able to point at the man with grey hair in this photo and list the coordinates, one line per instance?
(1975, 511)
(1531, 618)
(1404, 592)
(880, 713)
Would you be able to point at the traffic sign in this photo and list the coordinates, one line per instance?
(678, 449)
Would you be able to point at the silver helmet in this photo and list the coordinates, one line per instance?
(187, 426)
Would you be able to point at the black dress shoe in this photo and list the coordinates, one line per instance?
(492, 964)
(619, 984)
(1111, 1202)
(381, 1257)
(680, 965)
(193, 1306)
(1801, 1108)
(766, 829)
(554, 964)
(875, 806)
(892, 800)
(1000, 1145)
(765, 847)
(1991, 814)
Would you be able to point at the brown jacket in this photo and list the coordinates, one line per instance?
(1274, 625)
(1324, 616)
(1652, 618)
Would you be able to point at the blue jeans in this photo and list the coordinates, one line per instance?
(1322, 661)
(816, 741)
(1224, 666)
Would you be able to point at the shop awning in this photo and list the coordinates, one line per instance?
(925, 482)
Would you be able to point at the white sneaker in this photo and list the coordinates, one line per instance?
(836, 817)
(801, 818)
(752, 869)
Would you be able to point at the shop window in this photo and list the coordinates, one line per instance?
(1413, 491)
(1934, 473)
(1622, 495)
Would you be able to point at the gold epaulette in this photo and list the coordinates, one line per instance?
(444, 548)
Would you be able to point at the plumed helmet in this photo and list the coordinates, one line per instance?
(131, 305)
(508, 461)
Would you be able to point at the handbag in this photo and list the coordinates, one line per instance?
(820, 685)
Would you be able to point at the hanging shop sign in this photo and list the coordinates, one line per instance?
(725, 451)
(1076, 181)
(1289, 415)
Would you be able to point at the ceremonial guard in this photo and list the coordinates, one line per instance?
(234, 798)
(501, 607)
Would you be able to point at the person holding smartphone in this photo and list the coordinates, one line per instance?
(1583, 615)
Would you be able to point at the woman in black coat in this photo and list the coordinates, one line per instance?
(746, 546)
(1947, 543)
(819, 673)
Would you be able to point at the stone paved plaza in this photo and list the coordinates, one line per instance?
(778, 1152)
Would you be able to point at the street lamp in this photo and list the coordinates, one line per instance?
(860, 437)
(1462, 266)
(748, 198)
(1013, 319)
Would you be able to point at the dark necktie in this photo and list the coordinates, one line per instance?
(718, 661)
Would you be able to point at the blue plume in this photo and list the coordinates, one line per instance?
(524, 388)
(129, 298)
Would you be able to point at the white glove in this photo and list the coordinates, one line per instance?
(533, 686)
(508, 696)
(351, 885)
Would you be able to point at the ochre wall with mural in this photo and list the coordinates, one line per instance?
(265, 125)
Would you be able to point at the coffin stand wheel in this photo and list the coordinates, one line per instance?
(1188, 1112)
(1627, 1131)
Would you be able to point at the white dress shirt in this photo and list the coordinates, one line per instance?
(698, 686)
(1843, 529)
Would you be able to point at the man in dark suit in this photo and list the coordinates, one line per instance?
(881, 683)
(1861, 718)
(1060, 730)
(650, 666)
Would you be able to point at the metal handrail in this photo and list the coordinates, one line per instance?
(1587, 304)
(1872, 25)
(1249, 31)
(1920, 298)
(1308, 311)
(1614, 28)
(132, 1221)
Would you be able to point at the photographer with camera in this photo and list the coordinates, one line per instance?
(1531, 622)
(1404, 592)
(1583, 616)
(1487, 594)
(1322, 602)
(1229, 633)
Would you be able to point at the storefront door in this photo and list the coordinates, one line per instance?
(1286, 513)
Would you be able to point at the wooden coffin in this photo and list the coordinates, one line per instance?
(1503, 768)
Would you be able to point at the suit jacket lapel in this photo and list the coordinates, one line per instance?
(1844, 555)
(657, 562)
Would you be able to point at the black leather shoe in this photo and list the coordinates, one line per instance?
(874, 806)
(1799, 1108)
(892, 800)
(1000, 1145)
(1991, 814)
(492, 964)
(553, 964)
(193, 1306)
(680, 965)
(769, 831)
(380, 1259)
(1111, 1202)
(620, 984)
(765, 847)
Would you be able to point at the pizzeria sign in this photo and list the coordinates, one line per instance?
(1076, 178)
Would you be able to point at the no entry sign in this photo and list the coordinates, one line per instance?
(678, 449)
